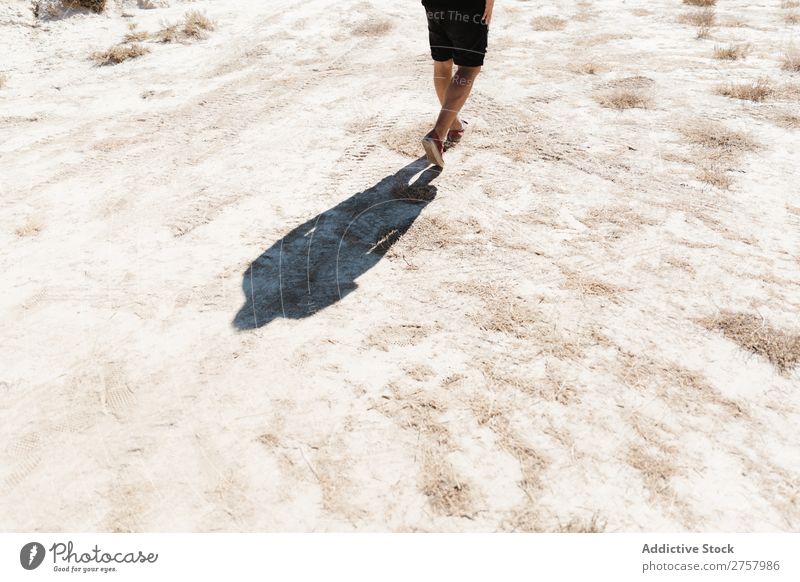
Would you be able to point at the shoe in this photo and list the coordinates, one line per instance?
(454, 136)
(434, 148)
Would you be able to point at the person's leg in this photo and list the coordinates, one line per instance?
(455, 96)
(442, 77)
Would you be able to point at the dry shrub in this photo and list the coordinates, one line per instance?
(703, 32)
(716, 136)
(195, 24)
(700, 18)
(732, 52)
(792, 17)
(756, 91)
(625, 99)
(134, 35)
(756, 335)
(788, 4)
(791, 61)
(55, 8)
(169, 33)
(715, 176)
(373, 28)
(548, 23)
(701, 3)
(119, 53)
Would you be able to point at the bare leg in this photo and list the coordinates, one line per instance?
(454, 98)
(442, 78)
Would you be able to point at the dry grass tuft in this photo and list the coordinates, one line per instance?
(593, 524)
(791, 61)
(792, 17)
(134, 35)
(789, 4)
(196, 24)
(656, 469)
(700, 18)
(756, 91)
(3, 80)
(119, 53)
(169, 33)
(716, 176)
(732, 52)
(756, 335)
(625, 99)
(55, 8)
(591, 287)
(447, 492)
(548, 23)
(788, 120)
(716, 136)
(700, 3)
(588, 68)
(373, 28)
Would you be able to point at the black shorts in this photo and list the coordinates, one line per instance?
(461, 36)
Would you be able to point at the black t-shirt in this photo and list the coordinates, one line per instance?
(464, 5)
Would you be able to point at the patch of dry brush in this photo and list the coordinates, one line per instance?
(119, 53)
(55, 8)
(195, 25)
(756, 91)
(756, 335)
(732, 52)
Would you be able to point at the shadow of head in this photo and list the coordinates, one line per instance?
(317, 263)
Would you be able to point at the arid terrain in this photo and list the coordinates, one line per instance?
(235, 299)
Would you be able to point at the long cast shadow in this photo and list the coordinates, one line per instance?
(318, 262)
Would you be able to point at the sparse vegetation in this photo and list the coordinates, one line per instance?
(625, 99)
(715, 175)
(756, 91)
(119, 53)
(55, 8)
(732, 52)
(754, 334)
(588, 68)
(3, 80)
(791, 61)
(717, 136)
(134, 35)
(700, 18)
(792, 17)
(700, 3)
(195, 25)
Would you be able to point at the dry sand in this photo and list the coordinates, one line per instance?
(529, 341)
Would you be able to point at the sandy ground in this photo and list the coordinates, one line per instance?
(225, 309)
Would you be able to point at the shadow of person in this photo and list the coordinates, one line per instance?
(318, 262)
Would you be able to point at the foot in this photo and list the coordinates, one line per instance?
(434, 148)
(455, 134)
